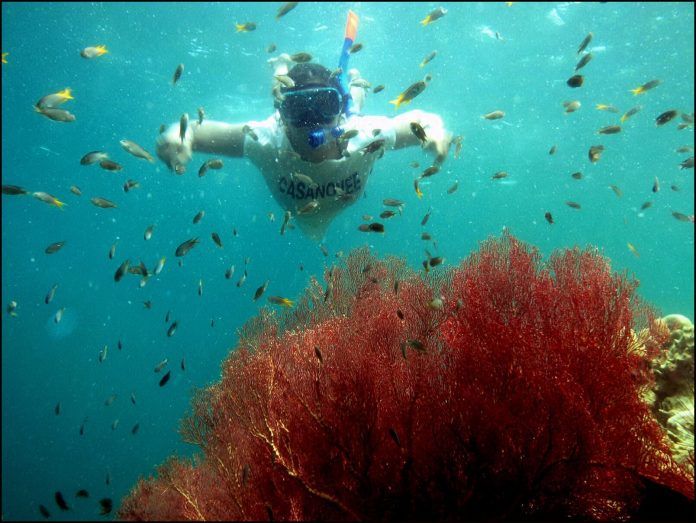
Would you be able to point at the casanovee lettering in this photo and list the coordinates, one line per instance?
(300, 191)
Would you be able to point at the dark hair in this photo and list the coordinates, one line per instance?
(308, 74)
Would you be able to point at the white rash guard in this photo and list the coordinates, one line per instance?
(275, 158)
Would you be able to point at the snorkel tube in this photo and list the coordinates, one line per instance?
(318, 137)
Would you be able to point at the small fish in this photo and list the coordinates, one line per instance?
(103, 353)
(630, 113)
(571, 107)
(200, 287)
(385, 215)
(110, 400)
(49, 199)
(610, 129)
(453, 188)
(399, 314)
(646, 205)
(185, 247)
(576, 175)
(435, 261)
(130, 184)
(82, 493)
(229, 272)
(242, 279)
(286, 219)
(177, 73)
(355, 48)
(378, 89)
(44, 511)
(285, 80)
(59, 315)
(122, 270)
(656, 185)
(616, 190)
(162, 364)
(57, 409)
(576, 80)
(409, 94)
(303, 178)
(675, 188)
(552, 151)
(245, 27)
(165, 378)
(54, 247)
(583, 61)
(12, 308)
(120, 345)
(247, 130)
(55, 99)
(103, 203)
(414, 344)
(665, 117)
(279, 300)
(435, 14)
(132, 398)
(216, 239)
(548, 217)
(148, 232)
(301, 57)
(633, 250)
(428, 58)
(426, 217)
(685, 149)
(57, 115)
(308, 208)
(136, 150)
(13, 190)
(606, 107)
(683, 217)
(112, 250)
(595, 153)
(259, 292)
(458, 142)
(392, 202)
(373, 146)
(495, 115)
(688, 163)
(60, 501)
(645, 87)
(585, 43)
(134, 431)
(348, 135)
(573, 205)
(323, 249)
(172, 329)
(183, 126)
(430, 171)
(372, 227)
(51, 294)
(147, 304)
(110, 165)
(106, 504)
(75, 190)
(499, 175)
(107, 479)
(436, 304)
(198, 217)
(271, 48)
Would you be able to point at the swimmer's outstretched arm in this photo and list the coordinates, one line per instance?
(209, 137)
(439, 139)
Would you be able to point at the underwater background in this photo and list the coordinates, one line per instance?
(515, 58)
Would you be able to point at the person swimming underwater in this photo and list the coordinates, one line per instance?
(316, 151)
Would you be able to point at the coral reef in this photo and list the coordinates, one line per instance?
(519, 396)
(672, 397)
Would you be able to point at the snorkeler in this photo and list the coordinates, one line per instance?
(317, 151)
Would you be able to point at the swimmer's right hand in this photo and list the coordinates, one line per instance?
(173, 151)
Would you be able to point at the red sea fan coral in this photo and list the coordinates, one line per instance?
(520, 397)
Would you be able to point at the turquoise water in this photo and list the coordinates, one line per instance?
(127, 93)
